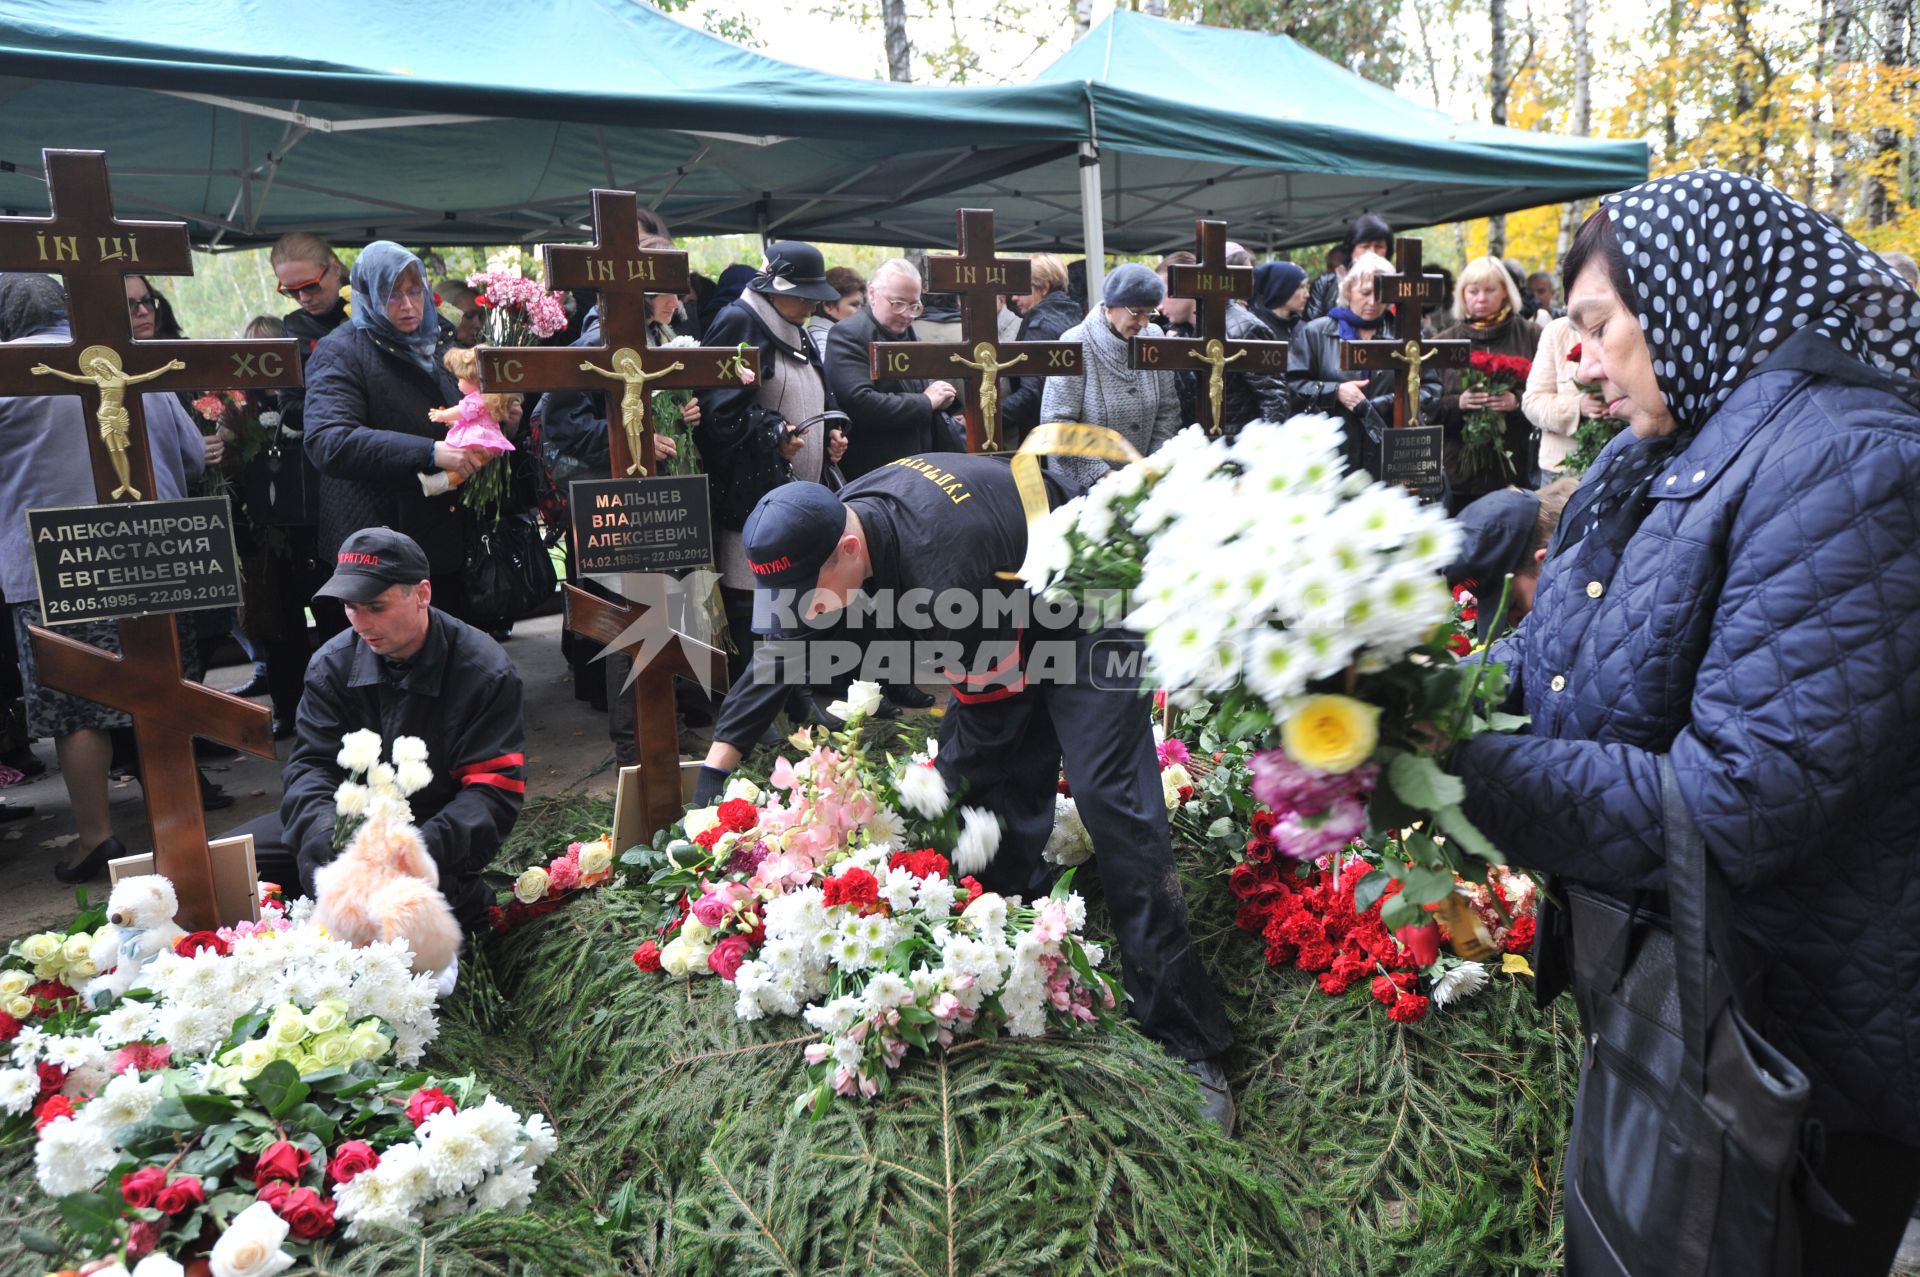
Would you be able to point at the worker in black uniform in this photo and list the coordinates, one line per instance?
(1029, 685)
(404, 668)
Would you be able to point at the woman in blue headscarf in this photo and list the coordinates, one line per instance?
(370, 385)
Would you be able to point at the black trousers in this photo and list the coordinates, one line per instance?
(1875, 1180)
(1086, 709)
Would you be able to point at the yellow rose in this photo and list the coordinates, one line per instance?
(14, 982)
(531, 886)
(287, 1027)
(75, 974)
(595, 858)
(77, 949)
(695, 931)
(335, 1048)
(308, 1062)
(253, 1056)
(698, 822)
(41, 948)
(367, 1043)
(1332, 733)
(17, 1006)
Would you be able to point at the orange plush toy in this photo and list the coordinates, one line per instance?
(385, 886)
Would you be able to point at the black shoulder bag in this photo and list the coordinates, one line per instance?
(1686, 1154)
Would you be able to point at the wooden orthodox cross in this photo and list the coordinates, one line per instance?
(1412, 453)
(977, 277)
(1214, 285)
(628, 371)
(93, 252)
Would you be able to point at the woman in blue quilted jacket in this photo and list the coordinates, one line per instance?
(1736, 586)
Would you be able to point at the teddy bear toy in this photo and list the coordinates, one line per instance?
(139, 924)
(386, 886)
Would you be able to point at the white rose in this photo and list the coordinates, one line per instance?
(862, 699)
(14, 982)
(741, 787)
(683, 957)
(595, 858)
(531, 886)
(359, 750)
(1174, 778)
(701, 819)
(409, 749)
(251, 1245)
(350, 799)
(158, 1266)
(695, 931)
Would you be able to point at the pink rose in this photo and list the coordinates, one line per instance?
(712, 909)
(727, 956)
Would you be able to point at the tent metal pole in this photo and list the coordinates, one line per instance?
(1093, 232)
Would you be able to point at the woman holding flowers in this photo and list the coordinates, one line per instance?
(1489, 439)
(1735, 589)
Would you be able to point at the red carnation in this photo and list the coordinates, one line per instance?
(281, 1160)
(854, 887)
(427, 1101)
(739, 815)
(974, 889)
(51, 1110)
(181, 1194)
(9, 1027)
(1460, 645)
(274, 1193)
(194, 941)
(308, 1215)
(143, 1235)
(497, 918)
(1409, 1009)
(355, 1157)
(48, 995)
(1335, 982)
(1520, 939)
(140, 1188)
(647, 956)
(924, 863)
(727, 956)
(708, 837)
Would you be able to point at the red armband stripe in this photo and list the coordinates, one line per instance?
(491, 764)
(495, 779)
(988, 697)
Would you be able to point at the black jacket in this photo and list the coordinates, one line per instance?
(368, 435)
(461, 695)
(739, 439)
(1020, 409)
(1517, 337)
(1314, 376)
(572, 424)
(886, 419)
(307, 330)
(1323, 296)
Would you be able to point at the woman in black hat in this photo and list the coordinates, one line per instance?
(1368, 234)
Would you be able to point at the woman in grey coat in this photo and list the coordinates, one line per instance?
(1143, 406)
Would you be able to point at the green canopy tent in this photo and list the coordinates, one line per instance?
(428, 122)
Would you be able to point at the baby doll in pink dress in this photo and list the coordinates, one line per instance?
(474, 421)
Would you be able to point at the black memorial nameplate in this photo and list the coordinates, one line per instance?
(1412, 458)
(125, 559)
(642, 524)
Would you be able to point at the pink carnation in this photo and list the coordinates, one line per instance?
(564, 873)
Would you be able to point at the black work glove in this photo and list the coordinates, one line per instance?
(706, 790)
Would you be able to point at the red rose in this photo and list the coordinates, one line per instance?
(274, 1193)
(194, 941)
(140, 1188)
(281, 1160)
(1262, 824)
(180, 1194)
(1409, 1009)
(1243, 881)
(355, 1157)
(647, 956)
(52, 1077)
(854, 887)
(9, 1027)
(708, 837)
(727, 956)
(308, 1215)
(51, 1110)
(142, 1236)
(1520, 939)
(1574, 354)
(739, 815)
(1460, 645)
(1422, 941)
(427, 1101)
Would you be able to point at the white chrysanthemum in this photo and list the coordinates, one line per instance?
(886, 826)
(923, 792)
(887, 991)
(408, 749)
(497, 1125)
(1459, 983)
(836, 1016)
(898, 888)
(70, 1156)
(128, 1021)
(125, 1100)
(978, 842)
(509, 1190)
(542, 1142)
(359, 751)
(454, 1151)
(27, 1043)
(936, 895)
(389, 808)
(1048, 552)
(70, 1053)
(19, 1089)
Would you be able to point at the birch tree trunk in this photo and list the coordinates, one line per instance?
(893, 17)
(1497, 81)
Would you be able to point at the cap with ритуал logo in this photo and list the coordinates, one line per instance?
(791, 534)
(372, 561)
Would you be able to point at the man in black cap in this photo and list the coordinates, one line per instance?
(403, 668)
(1503, 532)
(929, 536)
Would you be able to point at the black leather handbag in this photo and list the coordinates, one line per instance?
(1686, 1155)
(509, 572)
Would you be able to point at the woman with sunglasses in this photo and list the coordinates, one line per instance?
(370, 385)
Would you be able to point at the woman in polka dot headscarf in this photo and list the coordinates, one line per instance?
(1735, 591)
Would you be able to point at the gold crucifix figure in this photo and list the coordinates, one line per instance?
(104, 371)
(1216, 359)
(986, 361)
(633, 399)
(1415, 358)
